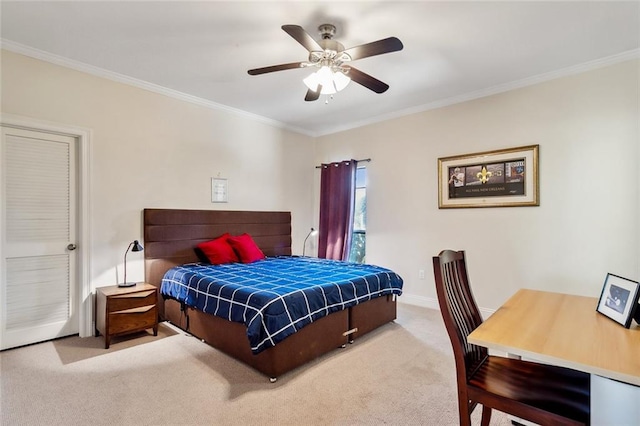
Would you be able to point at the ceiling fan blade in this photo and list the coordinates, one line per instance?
(281, 67)
(367, 81)
(313, 96)
(302, 37)
(387, 45)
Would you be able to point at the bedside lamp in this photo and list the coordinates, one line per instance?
(134, 246)
(304, 245)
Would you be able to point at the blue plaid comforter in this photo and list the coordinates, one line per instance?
(277, 296)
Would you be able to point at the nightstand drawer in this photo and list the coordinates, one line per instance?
(139, 318)
(132, 300)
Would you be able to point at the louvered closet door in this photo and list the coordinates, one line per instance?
(38, 224)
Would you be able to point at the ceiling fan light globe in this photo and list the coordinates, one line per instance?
(324, 78)
(330, 81)
(312, 82)
(341, 80)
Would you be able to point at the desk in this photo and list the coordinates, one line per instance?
(566, 330)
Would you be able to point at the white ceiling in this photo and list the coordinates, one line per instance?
(453, 51)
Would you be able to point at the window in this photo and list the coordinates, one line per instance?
(358, 241)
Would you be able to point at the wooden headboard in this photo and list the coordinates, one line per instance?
(171, 235)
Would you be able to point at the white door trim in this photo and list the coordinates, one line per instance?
(85, 290)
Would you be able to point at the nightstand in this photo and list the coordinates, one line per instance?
(124, 310)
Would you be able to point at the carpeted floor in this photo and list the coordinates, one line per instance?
(400, 374)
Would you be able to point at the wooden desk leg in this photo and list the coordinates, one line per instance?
(516, 421)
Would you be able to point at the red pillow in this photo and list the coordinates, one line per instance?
(246, 249)
(218, 251)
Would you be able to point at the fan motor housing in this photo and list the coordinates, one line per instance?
(332, 45)
(327, 30)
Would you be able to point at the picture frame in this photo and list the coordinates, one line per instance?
(500, 178)
(619, 299)
(219, 190)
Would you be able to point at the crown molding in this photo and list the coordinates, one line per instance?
(501, 88)
(141, 84)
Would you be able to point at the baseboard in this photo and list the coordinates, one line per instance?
(432, 303)
(424, 302)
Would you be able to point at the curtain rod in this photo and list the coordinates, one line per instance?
(366, 160)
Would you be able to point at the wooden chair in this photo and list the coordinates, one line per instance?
(543, 394)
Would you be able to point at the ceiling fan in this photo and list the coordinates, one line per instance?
(331, 59)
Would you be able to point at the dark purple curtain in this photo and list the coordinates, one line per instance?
(337, 198)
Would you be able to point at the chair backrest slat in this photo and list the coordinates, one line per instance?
(459, 309)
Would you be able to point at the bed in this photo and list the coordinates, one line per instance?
(170, 236)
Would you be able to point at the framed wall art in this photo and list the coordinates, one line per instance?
(619, 299)
(501, 178)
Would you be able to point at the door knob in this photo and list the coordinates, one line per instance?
(71, 246)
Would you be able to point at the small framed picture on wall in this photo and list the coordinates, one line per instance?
(219, 190)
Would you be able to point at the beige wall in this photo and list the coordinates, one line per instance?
(587, 223)
(151, 150)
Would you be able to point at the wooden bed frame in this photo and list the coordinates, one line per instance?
(169, 239)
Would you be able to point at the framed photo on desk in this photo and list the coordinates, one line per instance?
(619, 299)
